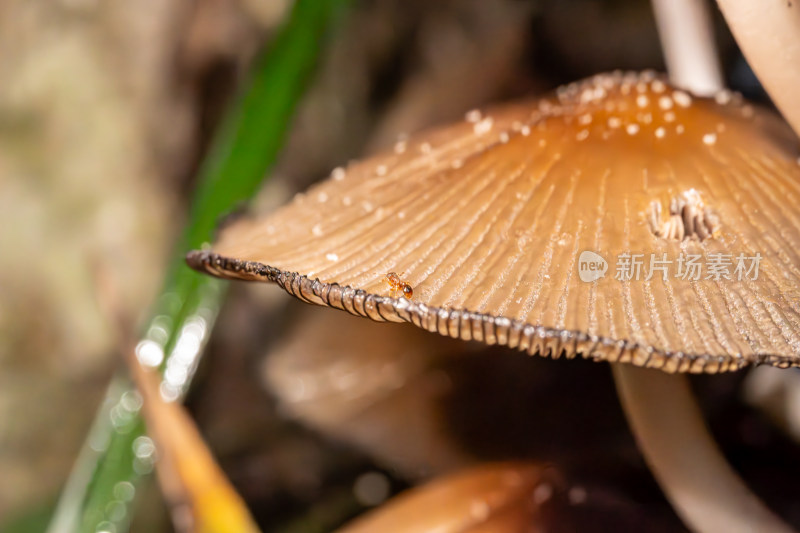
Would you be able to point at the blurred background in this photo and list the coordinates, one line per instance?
(106, 110)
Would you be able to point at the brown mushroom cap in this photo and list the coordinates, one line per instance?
(487, 219)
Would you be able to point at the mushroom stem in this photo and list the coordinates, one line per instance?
(704, 490)
(687, 39)
(769, 36)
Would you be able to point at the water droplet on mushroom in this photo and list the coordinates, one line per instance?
(479, 510)
(473, 116)
(722, 97)
(484, 126)
(682, 98)
(331, 257)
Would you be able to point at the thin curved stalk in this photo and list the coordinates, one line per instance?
(768, 33)
(687, 40)
(702, 487)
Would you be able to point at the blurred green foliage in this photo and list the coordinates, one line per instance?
(99, 494)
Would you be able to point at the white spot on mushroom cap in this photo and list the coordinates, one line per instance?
(632, 129)
(381, 170)
(682, 98)
(338, 173)
(484, 126)
(709, 139)
(479, 510)
(665, 103)
(658, 86)
(723, 97)
(473, 115)
(331, 257)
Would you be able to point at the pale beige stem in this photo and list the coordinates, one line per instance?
(707, 494)
(768, 32)
(687, 40)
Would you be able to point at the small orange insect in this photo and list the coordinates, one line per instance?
(398, 284)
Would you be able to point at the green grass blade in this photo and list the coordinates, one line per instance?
(98, 496)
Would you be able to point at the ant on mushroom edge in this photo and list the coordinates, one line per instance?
(398, 285)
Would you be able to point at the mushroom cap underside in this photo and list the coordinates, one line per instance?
(621, 219)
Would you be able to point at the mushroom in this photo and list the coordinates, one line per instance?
(490, 497)
(769, 35)
(375, 388)
(570, 225)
